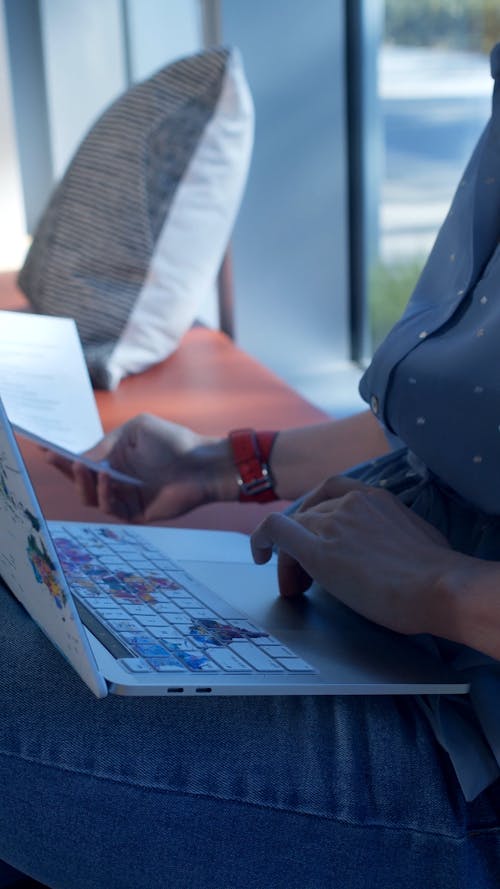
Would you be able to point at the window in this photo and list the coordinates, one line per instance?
(434, 96)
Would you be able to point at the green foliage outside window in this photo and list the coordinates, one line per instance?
(465, 25)
(457, 24)
(390, 289)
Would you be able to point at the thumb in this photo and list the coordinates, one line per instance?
(171, 501)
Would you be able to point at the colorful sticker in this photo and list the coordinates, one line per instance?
(209, 631)
(45, 570)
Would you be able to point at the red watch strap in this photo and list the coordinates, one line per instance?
(251, 453)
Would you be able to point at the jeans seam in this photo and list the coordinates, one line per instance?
(258, 805)
(483, 831)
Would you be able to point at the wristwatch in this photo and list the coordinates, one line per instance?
(251, 452)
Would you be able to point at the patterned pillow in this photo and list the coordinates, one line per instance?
(134, 234)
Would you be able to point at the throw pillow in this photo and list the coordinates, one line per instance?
(135, 232)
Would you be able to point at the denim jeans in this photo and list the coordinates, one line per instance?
(225, 793)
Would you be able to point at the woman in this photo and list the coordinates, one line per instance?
(304, 792)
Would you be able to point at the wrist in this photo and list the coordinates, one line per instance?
(251, 454)
(214, 457)
(237, 467)
(441, 604)
(468, 610)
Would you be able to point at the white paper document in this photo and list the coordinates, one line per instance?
(44, 382)
(45, 385)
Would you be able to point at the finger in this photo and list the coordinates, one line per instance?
(101, 450)
(86, 484)
(120, 500)
(331, 489)
(171, 501)
(293, 580)
(285, 533)
(61, 463)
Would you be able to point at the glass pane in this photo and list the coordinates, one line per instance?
(434, 95)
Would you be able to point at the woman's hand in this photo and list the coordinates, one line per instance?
(367, 549)
(179, 470)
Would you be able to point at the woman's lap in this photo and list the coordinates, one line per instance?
(297, 792)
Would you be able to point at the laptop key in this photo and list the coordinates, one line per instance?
(201, 612)
(228, 660)
(113, 612)
(150, 649)
(124, 624)
(141, 565)
(136, 608)
(296, 665)
(107, 604)
(171, 596)
(167, 608)
(96, 601)
(275, 651)
(167, 665)
(150, 620)
(135, 664)
(255, 657)
(167, 633)
(250, 628)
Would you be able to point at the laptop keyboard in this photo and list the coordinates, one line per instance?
(155, 617)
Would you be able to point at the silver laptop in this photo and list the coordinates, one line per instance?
(164, 611)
